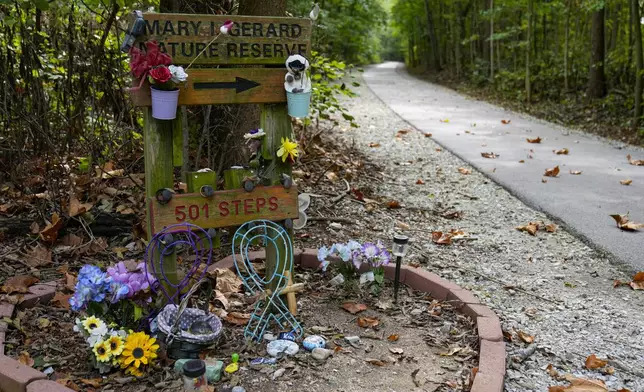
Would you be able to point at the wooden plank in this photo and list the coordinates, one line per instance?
(226, 208)
(251, 40)
(225, 86)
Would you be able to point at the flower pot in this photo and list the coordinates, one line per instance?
(164, 104)
(298, 104)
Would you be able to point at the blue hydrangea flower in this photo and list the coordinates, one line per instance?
(323, 253)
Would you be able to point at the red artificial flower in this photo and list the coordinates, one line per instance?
(155, 56)
(141, 63)
(160, 74)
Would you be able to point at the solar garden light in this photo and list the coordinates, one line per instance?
(401, 245)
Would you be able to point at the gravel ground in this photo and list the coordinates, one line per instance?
(551, 286)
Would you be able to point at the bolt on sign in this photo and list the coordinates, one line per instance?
(256, 40)
(226, 208)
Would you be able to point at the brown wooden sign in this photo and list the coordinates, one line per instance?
(225, 86)
(251, 40)
(226, 208)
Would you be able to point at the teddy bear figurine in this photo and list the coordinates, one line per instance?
(296, 80)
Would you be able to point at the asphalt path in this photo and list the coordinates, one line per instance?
(468, 128)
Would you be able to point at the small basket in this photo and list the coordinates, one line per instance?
(164, 103)
(298, 104)
(173, 322)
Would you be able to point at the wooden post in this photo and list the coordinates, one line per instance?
(194, 182)
(159, 174)
(276, 123)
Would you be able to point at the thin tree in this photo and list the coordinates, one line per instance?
(433, 38)
(596, 75)
(492, 40)
(639, 61)
(567, 46)
(528, 84)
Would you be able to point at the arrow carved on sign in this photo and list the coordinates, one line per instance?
(240, 85)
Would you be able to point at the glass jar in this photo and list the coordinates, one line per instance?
(401, 245)
(194, 376)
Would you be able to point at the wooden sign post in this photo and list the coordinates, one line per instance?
(195, 39)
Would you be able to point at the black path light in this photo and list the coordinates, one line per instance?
(401, 245)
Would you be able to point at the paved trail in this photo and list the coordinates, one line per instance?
(583, 202)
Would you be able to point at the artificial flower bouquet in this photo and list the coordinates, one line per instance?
(164, 78)
(113, 348)
(353, 256)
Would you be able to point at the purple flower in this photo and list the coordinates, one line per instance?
(134, 281)
(370, 250)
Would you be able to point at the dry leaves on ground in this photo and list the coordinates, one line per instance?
(402, 132)
(525, 337)
(19, 284)
(563, 151)
(368, 322)
(580, 385)
(533, 227)
(393, 204)
(452, 214)
(354, 307)
(626, 182)
(61, 300)
(38, 256)
(393, 338)
(237, 318)
(554, 172)
(428, 135)
(445, 238)
(636, 284)
(420, 182)
(374, 361)
(76, 207)
(465, 171)
(374, 144)
(50, 233)
(635, 162)
(489, 155)
(25, 359)
(575, 172)
(227, 281)
(592, 362)
(506, 122)
(535, 141)
(624, 223)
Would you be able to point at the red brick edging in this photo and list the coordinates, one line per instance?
(491, 372)
(16, 377)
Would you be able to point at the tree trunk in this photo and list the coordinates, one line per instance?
(528, 83)
(262, 7)
(635, 19)
(567, 47)
(491, 40)
(596, 76)
(433, 38)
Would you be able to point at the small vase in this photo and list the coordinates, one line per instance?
(164, 103)
(298, 104)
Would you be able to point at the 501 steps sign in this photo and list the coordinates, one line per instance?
(252, 40)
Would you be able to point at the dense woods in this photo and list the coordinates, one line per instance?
(560, 51)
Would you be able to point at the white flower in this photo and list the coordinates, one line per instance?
(100, 330)
(178, 74)
(315, 12)
(256, 135)
(225, 28)
(93, 339)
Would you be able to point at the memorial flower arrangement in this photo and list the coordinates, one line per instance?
(119, 295)
(353, 256)
(113, 348)
(288, 150)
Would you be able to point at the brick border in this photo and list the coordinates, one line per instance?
(491, 373)
(14, 376)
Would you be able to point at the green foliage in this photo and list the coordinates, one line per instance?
(329, 83)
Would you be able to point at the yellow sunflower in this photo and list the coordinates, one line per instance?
(288, 150)
(116, 345)
(139, 350)
(134, 371)
(102, 351)
(91, 323)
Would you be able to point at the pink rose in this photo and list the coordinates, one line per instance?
(161, 74)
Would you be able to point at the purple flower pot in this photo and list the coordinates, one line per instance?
(164, 103)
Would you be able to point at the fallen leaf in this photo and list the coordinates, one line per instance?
(61, 300)
(25, 359)
(624, 223)
(402, 132)
(357, 194)
(331, 176)
(563, 151)
(34, 228)
(68, 383)
(420, 182)
(522, 161)
(445, 121)
(402, 225)
(71, 240)
(525, 337)
(38, 256)
(43, 323)
(626, 182)
(529, 228)
(227, 281)
(94, 382)
(638, 162)
(219, 296)
(473, 374)
(50, 233)
(237, 318)
(76, 207)
(354, 307)
(70, 281)
(393, 338)
(439, 149)
(393, 204)
(556, 389)
(554, 172)
(506, 122)
(543, 180)
(428, 135)
(19, 284)
(375, 362)
(113, 173)
(535, 141)
(452, 215)
(440, 238)
(374, 144)
(452, 351)
(396, 350)
(583, 385)
(575, 172)
(508, 336)
(489, 155)
(465, 171)
(638, 281)
(368, 322)
(551, 228)
(592, 362)
(552, 372)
